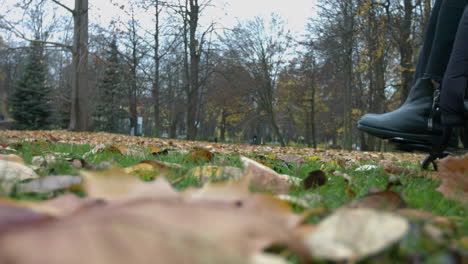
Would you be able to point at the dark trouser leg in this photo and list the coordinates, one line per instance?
(447, 24)
(428, 40)
(455, 80)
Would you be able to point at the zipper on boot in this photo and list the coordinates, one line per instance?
(435, 110)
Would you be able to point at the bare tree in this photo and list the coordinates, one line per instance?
(260, 47)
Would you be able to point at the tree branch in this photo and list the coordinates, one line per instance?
(64, 6)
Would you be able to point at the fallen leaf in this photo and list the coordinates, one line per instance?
(48, 184)
(116, 184)
(155, 151)
(309, 200)
(14, 217)
(81, 164)
(264, 178)
(58, 207)
(162, 164)
(352, 234)
(44, 161)
(115, 149)
(12, 158)
(315, 179)
(12, 173)
(236, 192)
(453, 172)
(367, 168)
(384, 200)
(291, 159)
(146, 168)
(167, 231)
(199, 155)
(394, 169)
(234, 189)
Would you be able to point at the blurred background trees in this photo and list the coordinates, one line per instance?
(159, 69)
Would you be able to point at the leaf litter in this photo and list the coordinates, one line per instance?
(226, 220)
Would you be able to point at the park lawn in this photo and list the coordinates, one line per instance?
(347, 181)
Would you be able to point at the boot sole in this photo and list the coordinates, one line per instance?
(389, 134)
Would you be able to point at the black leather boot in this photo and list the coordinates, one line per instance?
(414, 121)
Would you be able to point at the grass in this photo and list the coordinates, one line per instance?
(418, 192)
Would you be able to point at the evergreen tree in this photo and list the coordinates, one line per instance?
(109, 111)
(29, 102)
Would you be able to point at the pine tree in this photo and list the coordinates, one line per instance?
(29, 102)
(108, 111)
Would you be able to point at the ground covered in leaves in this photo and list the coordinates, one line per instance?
(106, 198)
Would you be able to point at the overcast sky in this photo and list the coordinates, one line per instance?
(224, 12)
(227, 12)
(295, 12)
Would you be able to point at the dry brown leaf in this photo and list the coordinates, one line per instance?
(167, 231)
(453, 172)
(236, 192)
(80, 164)
(12, 158)
(116, 184)
(146, 167)
(394, 169)
(49, 184)
(266, 179)
(352, 234)
(155, 151)
(199, 155)
(384, 200)
(315, 179)
(12, 173)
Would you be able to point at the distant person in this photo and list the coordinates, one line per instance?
(437, 96)
(254, 140)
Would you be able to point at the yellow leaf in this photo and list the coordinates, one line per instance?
(313, 158)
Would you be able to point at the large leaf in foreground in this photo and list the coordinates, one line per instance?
(453, 172)
(352, 234)
(149, 231)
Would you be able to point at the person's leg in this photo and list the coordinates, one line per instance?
(428, 40)
(455, 80)
(448, 20)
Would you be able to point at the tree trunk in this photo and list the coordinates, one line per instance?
(312, 119)
(80, 114)
(156, 88)
(348, 18)
(173, 127)
(223, 126)
(194, 71)
(406, 50)
(276, 129)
